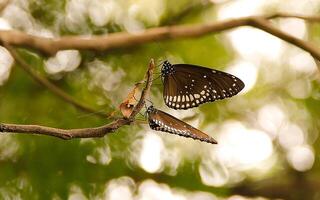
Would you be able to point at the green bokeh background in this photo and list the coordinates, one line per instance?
(45, 167)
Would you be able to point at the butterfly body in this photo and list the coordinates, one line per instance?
(161, 121)
(187, 86)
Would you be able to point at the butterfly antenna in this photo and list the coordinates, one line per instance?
(90, 114)
(145, 106)
(161, 61)
(149, 102)
(160, 47)
(141, 122)
(142, 115)
(157, 77)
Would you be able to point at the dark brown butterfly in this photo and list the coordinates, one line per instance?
(187, 86)
(161, 121)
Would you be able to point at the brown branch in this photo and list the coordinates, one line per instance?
(263, 24)
(52, 87)
(85, 132)
(62, 133)
(289, 15)
(120, 40)
(145, 90)
(4, 4)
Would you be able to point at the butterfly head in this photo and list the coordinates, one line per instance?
(150, 109)
(167, 68)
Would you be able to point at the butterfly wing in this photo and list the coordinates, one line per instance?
(190, 86)
(161, 121)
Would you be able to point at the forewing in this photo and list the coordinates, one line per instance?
(162, 121)
(190, 85)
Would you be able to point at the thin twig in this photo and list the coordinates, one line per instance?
(85, 132)
(145, 91)
(120, 40)
(53, 88)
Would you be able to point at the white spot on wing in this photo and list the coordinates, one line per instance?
(191, 98)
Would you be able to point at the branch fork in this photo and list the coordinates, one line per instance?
(86, 132)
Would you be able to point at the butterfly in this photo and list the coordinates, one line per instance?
(161, 121)
(187, 86)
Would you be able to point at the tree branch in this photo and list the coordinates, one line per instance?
(289, 15)
(263, 24)
(4, 4)
(145, 91)
(85, 132)
(120, 40)
(52, 87)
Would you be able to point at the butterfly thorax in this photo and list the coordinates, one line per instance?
(167, 68)
(150, 110)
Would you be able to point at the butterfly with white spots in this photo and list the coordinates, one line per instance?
(161, 121)
(187, 86)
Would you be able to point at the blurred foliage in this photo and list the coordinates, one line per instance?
(43, 167)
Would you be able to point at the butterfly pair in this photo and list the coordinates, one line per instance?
(187, 86)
